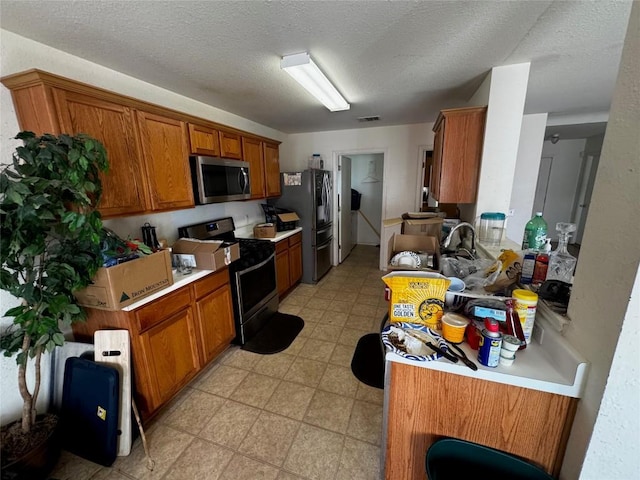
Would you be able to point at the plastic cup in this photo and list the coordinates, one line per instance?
(507, 353)
(456, 285)
(507, 362)
(453, 327)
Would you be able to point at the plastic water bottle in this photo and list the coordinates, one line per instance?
(535, 233)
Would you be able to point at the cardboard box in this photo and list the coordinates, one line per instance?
(423, 226)
(264, 230)
(205, 254)
(417, 297)
(119, 286)
(419, 223)
(414, 243)
(288, 217)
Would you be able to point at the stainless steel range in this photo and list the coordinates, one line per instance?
(253, 275)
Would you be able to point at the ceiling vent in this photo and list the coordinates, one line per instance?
(372, 118)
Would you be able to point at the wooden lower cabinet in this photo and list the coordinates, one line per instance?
(282, 267)
(215, 323)
(295, 262)
(288, 263)
(171, 354)
(425, 405)
(172, 338)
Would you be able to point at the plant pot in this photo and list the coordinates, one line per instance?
(37, 462)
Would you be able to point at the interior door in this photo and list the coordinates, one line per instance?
(345, 242)
(543, 184)
(583, 199)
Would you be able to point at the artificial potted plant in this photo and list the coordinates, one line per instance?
(50, 247)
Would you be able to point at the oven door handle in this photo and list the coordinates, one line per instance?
(239, 273)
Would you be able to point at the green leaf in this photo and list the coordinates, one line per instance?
(58, 339)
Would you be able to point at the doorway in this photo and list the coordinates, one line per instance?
(362, 172)
(565, 183)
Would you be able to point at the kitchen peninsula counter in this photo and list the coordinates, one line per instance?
(526, 409)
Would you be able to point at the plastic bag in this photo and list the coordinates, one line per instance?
(477, 274)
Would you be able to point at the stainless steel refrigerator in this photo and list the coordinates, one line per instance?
(309, 193)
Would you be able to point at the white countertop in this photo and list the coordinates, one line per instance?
(553, 366)
(549, 364)
(179, 281)
(247, 232)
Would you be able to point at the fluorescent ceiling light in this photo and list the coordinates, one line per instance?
(306, 73)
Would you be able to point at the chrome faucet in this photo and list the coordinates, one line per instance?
(447, 241)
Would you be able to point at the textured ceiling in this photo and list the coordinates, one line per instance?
(403, 61)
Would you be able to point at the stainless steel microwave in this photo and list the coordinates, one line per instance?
(219, 180)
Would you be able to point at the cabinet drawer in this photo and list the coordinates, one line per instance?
(162, 308)
(210, 283)
(295, 239)
(282, 246)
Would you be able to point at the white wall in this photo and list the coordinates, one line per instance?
(18, 54)
(371, 204)
(563, 181)
(401, 145)
(506, 96)
(527, 166)
(604, 306)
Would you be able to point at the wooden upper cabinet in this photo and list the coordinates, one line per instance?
(204, 140)
(459, 136)
(230, 145)
(113, 124)
(164, 148)
(271, 169)
(252, 152)
(148, 145)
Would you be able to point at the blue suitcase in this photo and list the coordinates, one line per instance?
(89, 411)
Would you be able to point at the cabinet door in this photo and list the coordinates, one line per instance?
(252, 153)
(462, 137)
(123, 185)
(230, 145)
(272, 169)
(203, 140)
(164, 147)
(295, 263)
(215, 322)
(282, 269)
(171, 353)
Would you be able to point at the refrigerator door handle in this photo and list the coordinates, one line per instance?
(324, 245)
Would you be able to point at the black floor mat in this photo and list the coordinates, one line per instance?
(278, 333)
(367, 363)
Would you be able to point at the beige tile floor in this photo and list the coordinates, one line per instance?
(298, 414)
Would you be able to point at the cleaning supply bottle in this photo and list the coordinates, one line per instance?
(514, 325)
(561, 262)
(541, 265)
(535, 233)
